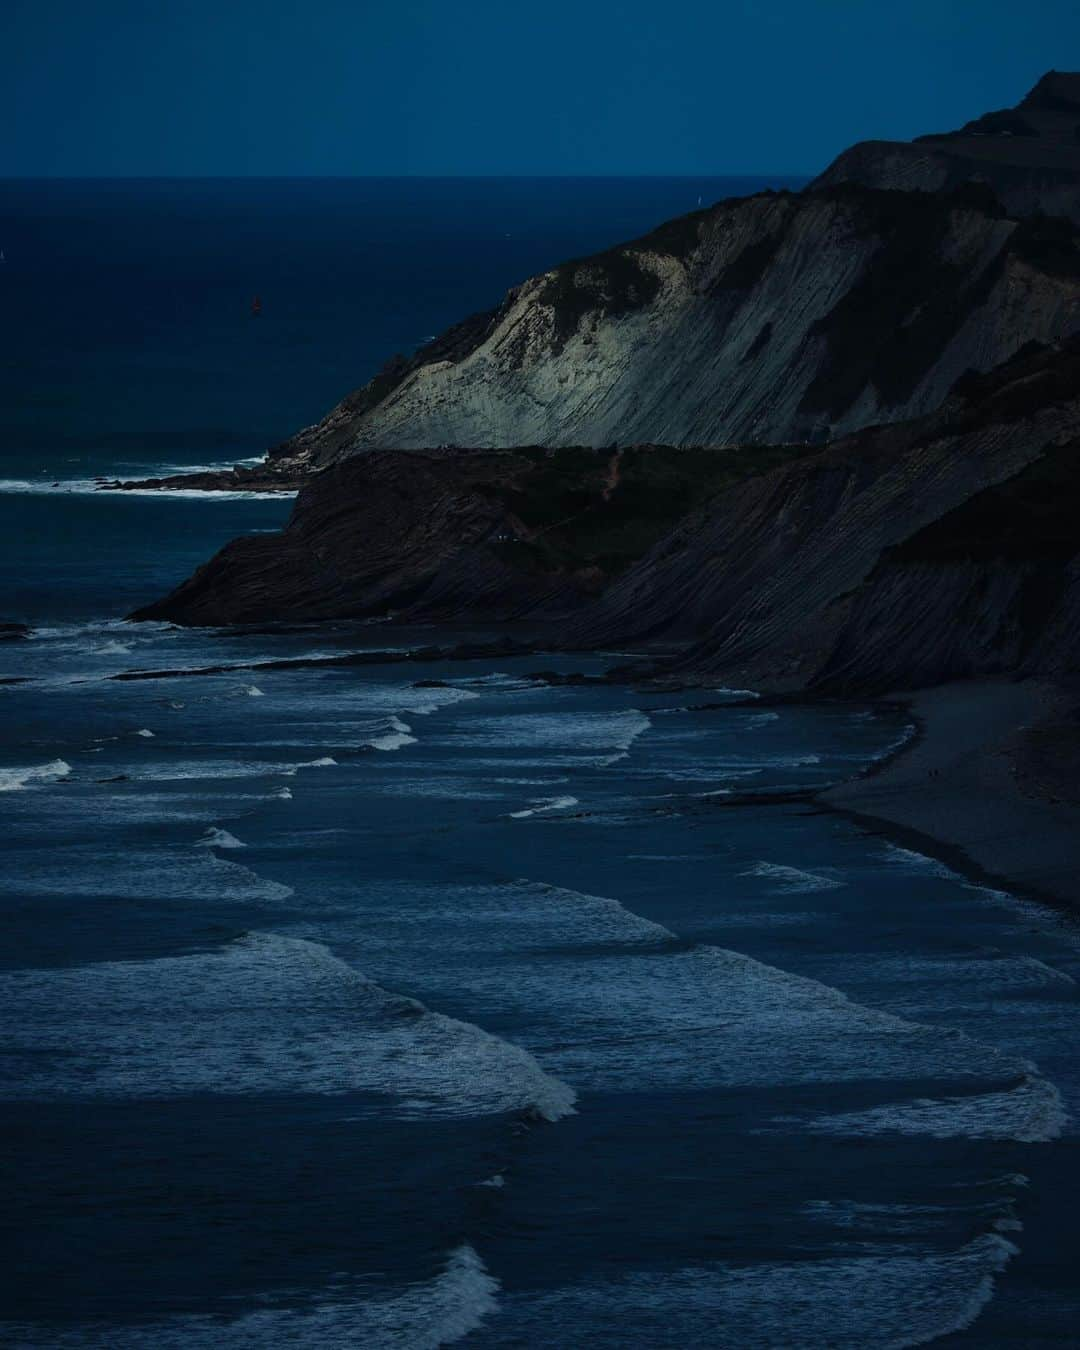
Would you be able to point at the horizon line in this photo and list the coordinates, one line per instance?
(379, 177)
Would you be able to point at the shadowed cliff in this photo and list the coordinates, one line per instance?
(443, 534)
(902, 556)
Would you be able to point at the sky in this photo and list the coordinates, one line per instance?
(479, 87)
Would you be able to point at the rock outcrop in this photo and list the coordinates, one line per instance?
(1029, 155)
(778, 317)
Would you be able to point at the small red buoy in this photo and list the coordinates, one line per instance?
(256, 307)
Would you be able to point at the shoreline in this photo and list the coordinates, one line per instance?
(980, 784)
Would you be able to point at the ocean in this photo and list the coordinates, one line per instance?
(405, 1005)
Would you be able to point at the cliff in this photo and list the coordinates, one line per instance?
(777, 317)
(902, 556)
(448, 535)
(931, 336)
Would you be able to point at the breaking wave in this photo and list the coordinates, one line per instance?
(423, 1316)
(543, 806)
(792, 880)
(36, 775)
(216, 838)
(264, 1014)
(889, 1301)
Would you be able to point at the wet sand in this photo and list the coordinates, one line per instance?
(993, 775)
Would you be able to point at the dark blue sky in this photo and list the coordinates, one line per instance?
(499, 86)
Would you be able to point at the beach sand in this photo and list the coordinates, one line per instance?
(994, 776)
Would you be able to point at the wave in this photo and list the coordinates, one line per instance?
(183, 770)
(264, 1014)
(216, 838)
(394, 739)
(35, 775)
(421, 1316)
(590, 918)
(792, 880)
(544, 806)
(910, 861)
(1031, 1113)
(88, 487)
(595, 732)
(704, 1017)
(892, 1301)
(150, 874)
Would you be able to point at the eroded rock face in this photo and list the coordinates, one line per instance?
(777, 317)
(447, 535)
(902, 556)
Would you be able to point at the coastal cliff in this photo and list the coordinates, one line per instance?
(825, 441)
(447, 535)
(777, 317)
(902, 556)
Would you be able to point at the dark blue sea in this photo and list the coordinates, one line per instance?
(407, 1005)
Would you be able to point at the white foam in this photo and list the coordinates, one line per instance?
(544, 806)
(183, 770)
(423, 1316)
(215, 838)
(34, 775)
(888, 1302)
(87, 487)
(150, 874)
(910, 861)
(145, 733)
(253, 691)
(264, 1014)
(664, 1016)
(394, 739)
(1032, 1112)
(792, 880)
(594, 732)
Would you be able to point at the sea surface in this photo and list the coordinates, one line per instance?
(382, 1003)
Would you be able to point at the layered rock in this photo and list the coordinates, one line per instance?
(902, 556)
(448, 535)
(777, 317)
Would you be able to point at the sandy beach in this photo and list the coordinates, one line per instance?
(990, 776)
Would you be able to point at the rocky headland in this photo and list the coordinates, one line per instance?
(820, 444)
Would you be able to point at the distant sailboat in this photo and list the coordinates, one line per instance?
(256, 307)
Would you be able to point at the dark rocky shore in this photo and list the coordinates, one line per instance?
(260, 478)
